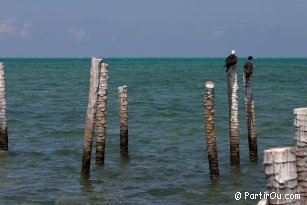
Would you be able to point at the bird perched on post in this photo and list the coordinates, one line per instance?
(231, 60)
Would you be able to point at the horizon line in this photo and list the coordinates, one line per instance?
(135, 57)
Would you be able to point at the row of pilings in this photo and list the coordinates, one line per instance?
(285, 167)
(232, 88)
(96, 116)
(96, 113)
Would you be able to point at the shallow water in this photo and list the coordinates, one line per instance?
(167, 163)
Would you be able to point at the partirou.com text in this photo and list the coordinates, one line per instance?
(264, 195)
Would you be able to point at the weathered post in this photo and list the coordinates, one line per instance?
(281, 175)
(250, 119)
(123, 119)
(101, 114)
(210, 130)
(232, 87)
(3, 121)
(90, 116)
(300, 126)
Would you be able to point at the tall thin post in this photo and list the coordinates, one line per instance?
(232, 87)
(3, 121)
(210, 130)
(300, 126)
(123, 118)
(250, 119)
(90, 116)
(281, 175)
(101, 114)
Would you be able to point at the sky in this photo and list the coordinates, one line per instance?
(153, 28)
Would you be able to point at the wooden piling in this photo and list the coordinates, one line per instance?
(3, 121)
(210, 130)
(281, 175)
(300, 126)
(123, 118)
(250, 119)
(91, 115)
(101, 114)
(232, 87)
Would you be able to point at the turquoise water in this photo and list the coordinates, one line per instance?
(167, 164)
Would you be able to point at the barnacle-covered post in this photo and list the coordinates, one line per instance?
(281, 175)
(250, 119)
(123, 119)
(300, 126)
(101, 114)
(3, 121)
(90, 116)
(232, 87)
(210, 130)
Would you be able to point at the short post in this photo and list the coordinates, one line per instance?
(3, 121)
(101, 114)
(232, 87)
(90, 116)
(300, 126)
(281, 175)
(250, 119)
(123, 119)
(210, 130)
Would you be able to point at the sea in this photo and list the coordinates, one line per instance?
(168, 161)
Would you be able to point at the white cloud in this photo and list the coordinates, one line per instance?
(13, 28)
(78, 34)
(8, 26)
